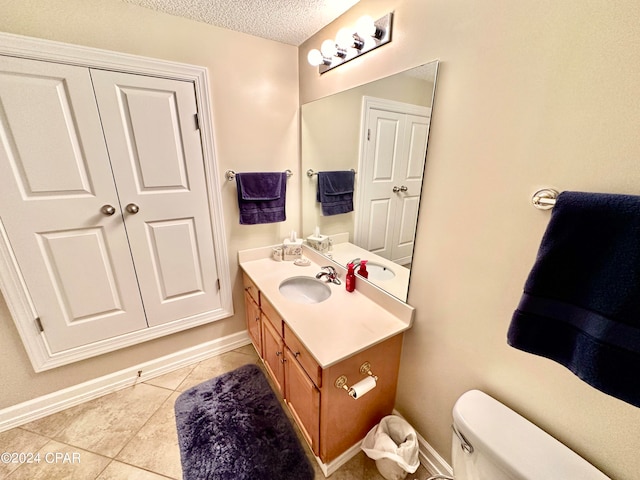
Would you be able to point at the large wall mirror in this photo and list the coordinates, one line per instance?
(380, 130)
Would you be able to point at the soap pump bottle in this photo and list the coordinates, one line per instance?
(362, 271)
(350, 280)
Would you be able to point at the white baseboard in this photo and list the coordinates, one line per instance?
(40, 407)
(332, 466)
(431, 460)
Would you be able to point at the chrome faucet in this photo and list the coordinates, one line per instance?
(355, 261)
(330, 273)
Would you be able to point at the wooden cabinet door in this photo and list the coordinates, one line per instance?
(303, 398)
(273, 353)
(55, 178)
(156, 153)
(252, 316)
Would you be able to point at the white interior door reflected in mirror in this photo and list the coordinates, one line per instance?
(393, 147)
(333, 137)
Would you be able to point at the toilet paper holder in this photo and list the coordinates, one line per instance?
(365, 369)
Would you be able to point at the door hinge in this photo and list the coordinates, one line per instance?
(197, 117)
(218, 283)
(368, 134)
(39, 324)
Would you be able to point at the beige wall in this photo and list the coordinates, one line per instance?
(529, 94)
(254, 88)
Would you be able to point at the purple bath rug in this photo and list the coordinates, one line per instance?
(233, 427)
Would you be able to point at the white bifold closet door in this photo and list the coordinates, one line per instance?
(104, 202)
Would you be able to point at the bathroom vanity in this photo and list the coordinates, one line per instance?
(315, 352)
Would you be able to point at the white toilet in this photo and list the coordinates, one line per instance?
(492, 442)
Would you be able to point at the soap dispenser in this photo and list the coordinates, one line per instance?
(362, 271)
(350, 280)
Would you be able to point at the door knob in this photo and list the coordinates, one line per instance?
(403, 188)
(132, 208)
(396, 189)
(108, 210)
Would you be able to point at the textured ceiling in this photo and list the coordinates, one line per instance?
(285, 21)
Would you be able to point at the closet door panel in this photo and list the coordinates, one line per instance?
(156, 153)
(55, 179)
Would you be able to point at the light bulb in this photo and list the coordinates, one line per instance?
(315, 58)
(344, 38)
(328, 48)
(365, 27)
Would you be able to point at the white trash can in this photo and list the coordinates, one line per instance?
(393, 444)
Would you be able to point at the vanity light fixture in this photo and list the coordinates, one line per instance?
(352, 42)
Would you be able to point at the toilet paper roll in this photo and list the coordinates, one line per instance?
(362, 387)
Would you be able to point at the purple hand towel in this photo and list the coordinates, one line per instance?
(261, 197)
(335, 191)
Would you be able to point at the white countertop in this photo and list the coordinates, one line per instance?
(344, 324)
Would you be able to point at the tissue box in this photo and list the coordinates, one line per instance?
(292, 249)
(319, 242)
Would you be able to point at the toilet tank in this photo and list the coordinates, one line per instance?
(506, 446)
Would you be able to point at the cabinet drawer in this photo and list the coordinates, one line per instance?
(303, 356)
(271, 315)
(250, 288)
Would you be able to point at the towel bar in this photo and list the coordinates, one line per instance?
(311, 172)
(230, 174)
(544, 199)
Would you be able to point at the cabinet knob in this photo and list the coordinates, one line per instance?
(108, 210)
(132, 208)
(278, 354)
(297, 354)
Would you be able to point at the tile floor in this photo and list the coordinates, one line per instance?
(131, 434)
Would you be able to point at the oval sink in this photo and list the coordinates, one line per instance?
(304, 290)
(379, 272)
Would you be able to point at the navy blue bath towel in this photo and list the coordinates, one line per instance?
(581, 301)
(335, 191)
(261, 197)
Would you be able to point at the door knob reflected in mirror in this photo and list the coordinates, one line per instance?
(132, 208)
(403, 188)
(108, 210)
(396, 189)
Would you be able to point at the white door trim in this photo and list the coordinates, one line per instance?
(11, 281)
